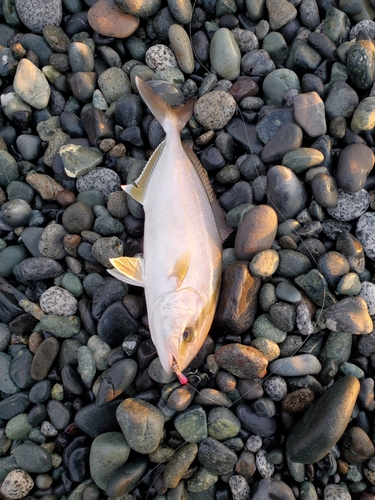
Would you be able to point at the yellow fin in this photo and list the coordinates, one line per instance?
(181, 268)
(138, 192)
(128, 269)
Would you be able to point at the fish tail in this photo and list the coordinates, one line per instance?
(170, 118)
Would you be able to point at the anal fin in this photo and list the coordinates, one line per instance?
(128, 269)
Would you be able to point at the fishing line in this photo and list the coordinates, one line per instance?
(305, 340)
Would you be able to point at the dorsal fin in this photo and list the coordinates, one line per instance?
(138, 191)
(224, 229)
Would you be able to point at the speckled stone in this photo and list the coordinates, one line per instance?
(103, 179)
(17, 484)
(36, 14)
(56, 300)
(215, 109)
(159, 57)
(350, 206)
(365, 233)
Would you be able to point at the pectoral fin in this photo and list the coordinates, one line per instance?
(128, 269)
(181, 268)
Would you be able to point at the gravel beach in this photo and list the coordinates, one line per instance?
(280, 400)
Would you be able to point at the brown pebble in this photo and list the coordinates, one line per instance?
(243, 87)
(181, 398)
(356, 446)
(225, 381)
(44, 185)
(117, 151)
(44, 358)
(65, 198)
(109, 19)
(342, 467)
(245, 465)
(106, 144)
(18, 50)
(34, 341)
(298, 400)
(71, 243)
(241, 360)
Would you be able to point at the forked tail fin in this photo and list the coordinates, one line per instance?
(169, 117)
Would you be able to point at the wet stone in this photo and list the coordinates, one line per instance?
(44, 358)
(141, 423)
(216, 457)
(260, 425)
(323, 433)
(310, 114)
(236, 307)
(179, 464)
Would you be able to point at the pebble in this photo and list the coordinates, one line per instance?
(225, 54)
(349, 315)
(110, 20)
(32, 458)
(216, 457)
(206, 109)
(17, 484)
(365, 234)
(269, 488)
(323, 433)
(178, 465)
(141, 423)
(239, 487)
(354, 165)
(31, 84)
(309, 113)
(350, 205)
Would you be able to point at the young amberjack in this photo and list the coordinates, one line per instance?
(183, 234)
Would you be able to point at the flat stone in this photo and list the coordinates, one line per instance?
(287, 138)
(242, 361)
(323, 423)
(309, 113)
(237, 302)
(31, 84)
(280, 13)
(349, 315)
(110, 20)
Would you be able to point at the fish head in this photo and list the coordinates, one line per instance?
(179, 325)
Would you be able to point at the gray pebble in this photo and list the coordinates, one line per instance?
(350, 206)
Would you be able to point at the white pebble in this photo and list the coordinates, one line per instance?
(239, 487)
(336, 492)
(367, 293)
(254, 443)
(303, 320)
(17, 484)
(159, 57)
(265, 468)
(47, 429)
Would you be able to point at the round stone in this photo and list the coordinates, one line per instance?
(56, 300)
(264, 263)
(350, 206)
(214, 109)
(17, 484)
(354, 165)
(109, 19)
(256, 232)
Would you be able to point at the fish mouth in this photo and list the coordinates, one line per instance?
(181, 377)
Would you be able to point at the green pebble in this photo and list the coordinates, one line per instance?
(358, 487)
(57, 392)
(10, 257)
(192, 424)
(274, 43)
(201, 480)
(354, 473)
(235, 216)
(338, 347)
(276, 457)
(316, 287)
(230, 174)
(8, 169)
(136, 47)
(301, 159)
(20, 190)
(91, 198)
(36, 435)
(308, 491)
(60, 326)
(349, 284)
(171, 75)
(18, 427)
(263, 327)
(347, 368)
(364, 115)
(72, 283)
(267, 347)
(108, 226)
(223, 424)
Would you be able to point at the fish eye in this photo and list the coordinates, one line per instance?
(188, 335)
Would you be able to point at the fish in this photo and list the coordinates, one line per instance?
(184, 230)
